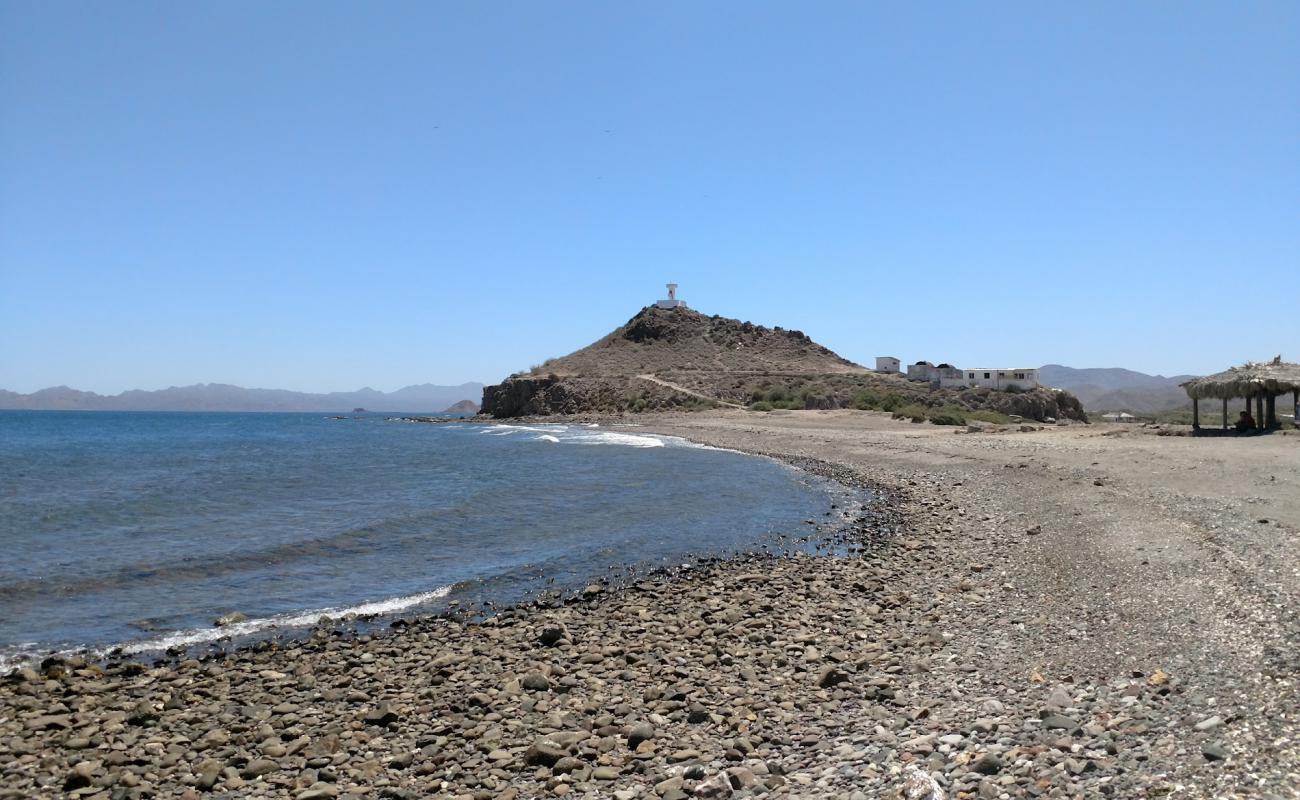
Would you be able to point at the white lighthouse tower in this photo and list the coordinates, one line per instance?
(672, 301)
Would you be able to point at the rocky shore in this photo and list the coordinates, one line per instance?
(978, 647)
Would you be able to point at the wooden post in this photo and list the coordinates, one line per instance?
(1225, 413)
(1270, 413)
(1196, 414)
(1259, 412)
(1295, 401)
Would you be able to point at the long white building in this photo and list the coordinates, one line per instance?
(1001, 378)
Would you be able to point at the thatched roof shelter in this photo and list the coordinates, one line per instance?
(1274, 377)
(1263, 381)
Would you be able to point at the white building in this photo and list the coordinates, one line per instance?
(888, 364)
(672, 301)
(990, 378)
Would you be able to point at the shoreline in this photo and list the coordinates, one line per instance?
(807, 676)
(368, 617)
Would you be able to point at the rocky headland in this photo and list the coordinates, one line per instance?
(680, 359)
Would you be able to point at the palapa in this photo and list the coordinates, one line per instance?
(1251, 379)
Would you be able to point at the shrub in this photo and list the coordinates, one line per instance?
(866, 400)
(945, 417)
(913, 411)
(869, 400)
(891, 401)
(761, 405)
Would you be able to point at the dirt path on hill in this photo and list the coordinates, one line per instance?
(690, 392)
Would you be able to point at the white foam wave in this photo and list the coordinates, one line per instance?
(625, 439)
(589, 434)
(195, 636)
(300, 619)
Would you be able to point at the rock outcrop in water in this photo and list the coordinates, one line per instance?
(665, 359)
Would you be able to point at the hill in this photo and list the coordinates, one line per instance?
(659, 339)
(225, 397)
(462, 407)
(1115, 389)
(679, 358)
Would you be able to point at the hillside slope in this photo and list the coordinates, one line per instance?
(678, 358)
(657, 340)
(1115, 389)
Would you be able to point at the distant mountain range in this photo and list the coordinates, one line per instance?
(1111, 389)
(1116, 389)
(425, 397)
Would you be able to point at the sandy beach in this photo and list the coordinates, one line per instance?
(1081, 611)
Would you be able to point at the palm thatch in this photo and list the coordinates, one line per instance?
(1249, 380)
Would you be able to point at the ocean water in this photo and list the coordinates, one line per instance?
(136, 530)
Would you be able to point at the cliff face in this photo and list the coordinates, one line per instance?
(521, 396)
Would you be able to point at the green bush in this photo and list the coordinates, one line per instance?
(761, 405)
(777, 395)
(913, 411)
(869, 400)
(943, 417)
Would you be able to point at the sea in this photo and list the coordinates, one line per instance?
(132, 532)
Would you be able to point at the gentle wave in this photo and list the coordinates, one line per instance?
(585, 435)
(197, 636)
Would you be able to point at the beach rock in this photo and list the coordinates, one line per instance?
(545, 752)
(716, 786)
(1214, 752)
(257, 768)
(918, 785)
(381, 715)
(536, 682)
(829, 676)
(229, 619)
(641, 732)
(1059, 722)
(552, 635)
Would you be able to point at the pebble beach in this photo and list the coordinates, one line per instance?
(1055, 613)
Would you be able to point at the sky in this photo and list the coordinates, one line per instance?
(322, 196)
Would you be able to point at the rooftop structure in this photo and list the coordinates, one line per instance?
(1263, 382)
(671, 301)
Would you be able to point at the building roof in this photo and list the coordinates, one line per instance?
(1249, 379)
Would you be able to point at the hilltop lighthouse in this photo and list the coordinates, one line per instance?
(672, 301)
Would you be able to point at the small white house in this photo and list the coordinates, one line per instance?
(672, 301)
(990, 378)
(888, 364)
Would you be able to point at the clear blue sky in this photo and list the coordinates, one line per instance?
(321, 195)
